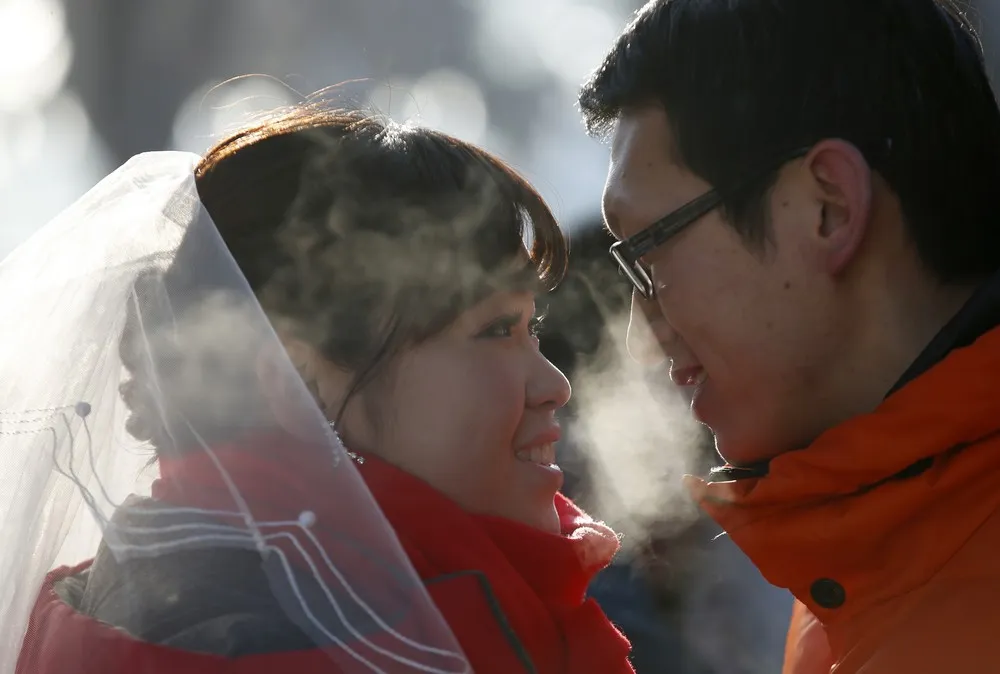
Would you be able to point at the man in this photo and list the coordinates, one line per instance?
(805, 197)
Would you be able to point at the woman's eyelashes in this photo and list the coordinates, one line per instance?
(507, 325)
(536, 325)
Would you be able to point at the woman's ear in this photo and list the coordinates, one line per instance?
(297, 380)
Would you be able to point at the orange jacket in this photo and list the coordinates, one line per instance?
(887, 528)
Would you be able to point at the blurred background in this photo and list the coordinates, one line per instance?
(85, 84)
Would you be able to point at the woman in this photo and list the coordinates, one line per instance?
(391, 263)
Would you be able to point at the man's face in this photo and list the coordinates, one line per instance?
(750, 332)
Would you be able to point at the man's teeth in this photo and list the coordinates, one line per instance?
(699, 378)
(544, 455)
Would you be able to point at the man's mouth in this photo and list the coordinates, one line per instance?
(688, 376)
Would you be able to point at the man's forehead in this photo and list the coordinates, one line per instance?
(641, 154)
(641, 133)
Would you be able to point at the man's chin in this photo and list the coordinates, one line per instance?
(741, 454)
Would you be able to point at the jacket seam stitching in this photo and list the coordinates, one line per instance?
(497, 611)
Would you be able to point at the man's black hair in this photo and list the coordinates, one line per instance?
(745, 81)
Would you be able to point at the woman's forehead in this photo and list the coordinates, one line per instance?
(517, 274)
(497, 301)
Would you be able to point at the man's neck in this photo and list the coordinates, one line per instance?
(896, 346)
(897, 331)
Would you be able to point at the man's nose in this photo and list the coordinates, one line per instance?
(646, 328)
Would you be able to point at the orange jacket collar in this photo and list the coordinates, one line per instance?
(834, 511)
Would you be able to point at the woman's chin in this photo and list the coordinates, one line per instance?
(545, 519)
(550, 523)
(536, 511)
(541, 477)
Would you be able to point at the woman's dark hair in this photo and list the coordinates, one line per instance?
(357, 235)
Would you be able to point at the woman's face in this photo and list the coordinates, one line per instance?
(471, 411)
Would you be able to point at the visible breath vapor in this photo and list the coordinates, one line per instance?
(639, 439)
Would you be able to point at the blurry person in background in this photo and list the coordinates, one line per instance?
(677, 584)
(804, 194)
(391, 262)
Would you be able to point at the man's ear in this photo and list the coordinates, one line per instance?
(843, 180)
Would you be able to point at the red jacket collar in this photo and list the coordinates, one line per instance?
(279, 478)
(537, 578)
(558, 568)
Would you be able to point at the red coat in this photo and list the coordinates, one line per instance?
(513, 596)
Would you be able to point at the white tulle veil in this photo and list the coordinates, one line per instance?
(74, 483)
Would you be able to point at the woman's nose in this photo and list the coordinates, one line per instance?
(547, 386)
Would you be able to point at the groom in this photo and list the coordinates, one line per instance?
(805, 196)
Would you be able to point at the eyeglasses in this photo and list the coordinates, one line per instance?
(627, 253)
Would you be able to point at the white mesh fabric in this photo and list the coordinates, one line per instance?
(74, 483)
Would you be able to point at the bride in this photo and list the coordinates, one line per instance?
(326, 312)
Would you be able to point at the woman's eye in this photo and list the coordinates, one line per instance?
(500, 329)
(508, 326)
